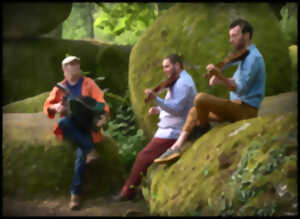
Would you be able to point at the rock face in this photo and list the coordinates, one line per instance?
(244, 168)
(199, 32)
(35, 163)
(34, 65)
(42, 17)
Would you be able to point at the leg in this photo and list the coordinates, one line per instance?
(83, 139)
(144, 159)
(78, 172)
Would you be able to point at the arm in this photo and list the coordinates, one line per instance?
(176, 104)
(218, 78)
(53, 103)
(98, 95)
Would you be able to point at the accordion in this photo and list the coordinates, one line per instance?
(85, 111)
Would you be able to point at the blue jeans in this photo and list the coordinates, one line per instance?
(85, 144)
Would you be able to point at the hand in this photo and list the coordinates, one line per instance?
(149, 94)
(214, 80)
(153, 110)
(58, 107)
(102, 121)
(211, 70)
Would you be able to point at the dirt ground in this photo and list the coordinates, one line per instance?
(100, 206)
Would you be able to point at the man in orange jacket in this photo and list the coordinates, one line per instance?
(79, 86)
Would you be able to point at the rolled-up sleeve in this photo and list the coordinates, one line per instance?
(246, 75)
(175, 105)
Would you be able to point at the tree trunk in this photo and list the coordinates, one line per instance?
(91, 21)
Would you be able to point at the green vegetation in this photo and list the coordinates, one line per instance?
(123, 128)
(289, 22)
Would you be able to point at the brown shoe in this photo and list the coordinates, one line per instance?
(92, 157)
(75, 202)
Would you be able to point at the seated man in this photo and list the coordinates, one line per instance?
(247, 89)
(172, 112)
(79, 86)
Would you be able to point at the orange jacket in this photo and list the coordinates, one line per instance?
(89, 88)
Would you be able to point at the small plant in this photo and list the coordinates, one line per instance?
(123, 128)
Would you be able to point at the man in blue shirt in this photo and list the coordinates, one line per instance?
(247, 87)
(172, 110)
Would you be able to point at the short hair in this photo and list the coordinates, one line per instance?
(174, 58)
(245, 26)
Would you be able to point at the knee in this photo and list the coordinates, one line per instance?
(63, 122)
(200, 99)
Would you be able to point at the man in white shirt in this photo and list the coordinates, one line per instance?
(173, 111)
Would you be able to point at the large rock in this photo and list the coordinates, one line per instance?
(35, 163)
(248, 168)
(22, 20)
(33, 66)
(199, 32)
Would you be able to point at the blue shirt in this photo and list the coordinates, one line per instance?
(175, 107)
(250, 78)
(76, 88)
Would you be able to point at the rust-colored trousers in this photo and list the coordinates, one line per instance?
(153, 150)
(210, 108)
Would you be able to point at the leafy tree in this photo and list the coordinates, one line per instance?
(289, 21)
(125, 22)
(80, 21)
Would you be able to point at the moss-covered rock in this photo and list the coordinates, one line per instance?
(245, 168)
(28, 70)
(293, 52)
(35, 163)
(199, 32)
(29, 105)
(42, 17)
(112, 63)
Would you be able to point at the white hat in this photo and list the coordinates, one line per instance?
(69, 59)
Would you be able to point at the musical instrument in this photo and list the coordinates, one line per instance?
(163, 84)
(229, 60)
(85, 111)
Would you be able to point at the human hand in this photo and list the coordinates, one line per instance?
(101, 121)
(58, 107)
(214, 80)
(211, 70)
(149, 94)
(153, 110)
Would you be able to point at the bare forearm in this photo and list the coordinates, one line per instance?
(228, 82)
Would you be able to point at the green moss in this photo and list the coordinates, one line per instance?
(35, 163)
(261, 159)
(199, 32)
(29, 105)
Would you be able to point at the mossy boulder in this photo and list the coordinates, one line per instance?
(43, 17)
(248, 168)
(28, 70)
(293, 52)
(28, 105)
(199, 32)
(36, 163)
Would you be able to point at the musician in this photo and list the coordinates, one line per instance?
(84, 86)
(247, 87)
(172, 110)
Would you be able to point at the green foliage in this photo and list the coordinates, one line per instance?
(130, 139)
(77, 25)
(288, 23)
(125, 22)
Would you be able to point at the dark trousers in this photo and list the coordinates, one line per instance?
(153, 150)
(85, 144)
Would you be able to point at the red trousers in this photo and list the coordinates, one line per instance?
(144, 159)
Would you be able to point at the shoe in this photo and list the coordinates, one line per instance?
(120, 198)
(92, 157)
(170, 154)
(75, 202)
